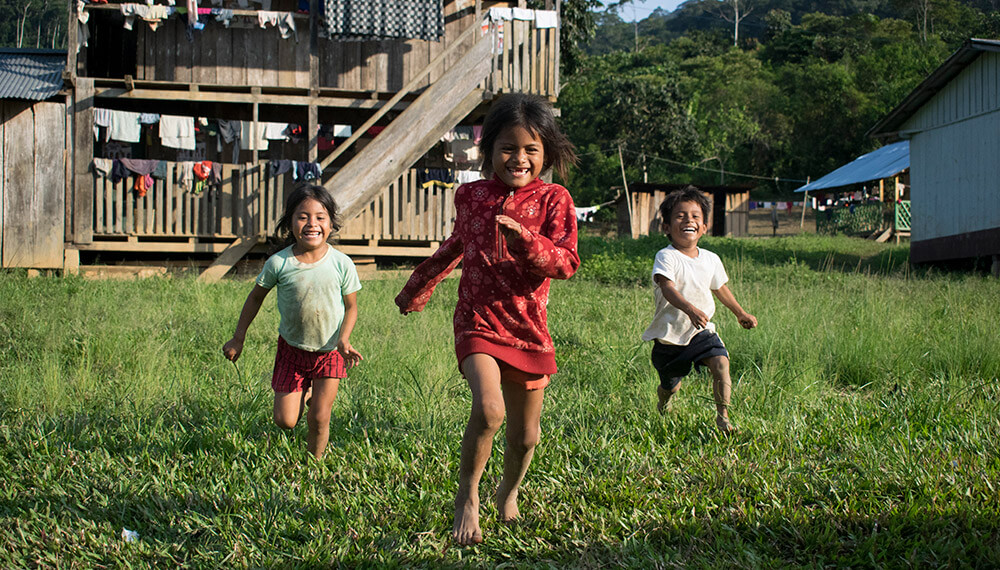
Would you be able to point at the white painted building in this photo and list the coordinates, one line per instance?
(952, 121)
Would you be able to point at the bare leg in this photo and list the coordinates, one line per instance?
(288, 408)
(663, 397)
(483, 375)
(721, 389)
(324, 392)
(524, 410)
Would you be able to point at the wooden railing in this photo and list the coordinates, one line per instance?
(526, 59)
(248, 202)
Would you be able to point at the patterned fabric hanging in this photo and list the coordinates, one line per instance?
(377, 19)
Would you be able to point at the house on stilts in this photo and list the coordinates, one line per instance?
(181, 133)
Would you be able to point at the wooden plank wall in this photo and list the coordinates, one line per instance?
(405, 211)
(34, 193)
(241, 56)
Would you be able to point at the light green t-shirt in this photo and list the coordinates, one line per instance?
(310, 296)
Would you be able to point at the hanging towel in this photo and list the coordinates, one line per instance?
(341, 131)
(102, 118)
(546, 19)
(275, 131)
(501, 14)
(177, 132)
(125, 127)
(524, 14)
(248, 140)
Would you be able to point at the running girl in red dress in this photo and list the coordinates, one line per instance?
(513, 233)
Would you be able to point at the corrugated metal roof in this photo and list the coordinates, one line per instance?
(888, 127)
(887, 161)
(33, 74)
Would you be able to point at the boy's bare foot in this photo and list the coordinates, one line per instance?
(725, 428)
(663, 399)
(507, 504)
(466, 530)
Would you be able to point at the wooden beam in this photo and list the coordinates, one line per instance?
(230, 97)
(82, 155)
(227, 259)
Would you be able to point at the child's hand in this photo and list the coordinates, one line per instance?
(233, 349)
(510, 227)
(747, 320)
(698, 317)
(351, 356)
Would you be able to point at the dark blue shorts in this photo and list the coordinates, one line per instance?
(673, 362)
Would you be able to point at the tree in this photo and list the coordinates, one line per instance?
(734, 12)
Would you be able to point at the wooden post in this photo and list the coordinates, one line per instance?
(805, 201)
(312, 137)
(628, 198)
(83, 153)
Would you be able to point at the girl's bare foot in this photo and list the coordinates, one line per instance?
(725, 428)
(466, 530)
(507, 504)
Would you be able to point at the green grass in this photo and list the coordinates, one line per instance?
(867, 400)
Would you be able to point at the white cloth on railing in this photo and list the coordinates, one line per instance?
(466, 176)
(125, 127)
(177, 132)
(524, 14)
(500, 14)
(546, 19)
(249, 140)
(284, 21)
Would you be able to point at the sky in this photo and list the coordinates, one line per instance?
(641, 9)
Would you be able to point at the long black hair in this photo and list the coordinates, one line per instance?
(535, 114)
(300, 194)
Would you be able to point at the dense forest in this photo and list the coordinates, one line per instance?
(756, 92)
(787, 96)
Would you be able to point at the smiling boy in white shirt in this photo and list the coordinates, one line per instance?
(686, 277)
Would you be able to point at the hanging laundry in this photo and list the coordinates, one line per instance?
(477, 133)
(586, 214)
(466, 176)
(341, 131)
(143, 184)
(307, 171)
(524, 14)
(125, 126)
(149, 118)
(177, 132)
(202, 170)
(249, 140)
(160, 172)
(140, 166)
(275, 131)
(102, 166)
(223, 15)
(230, 130)
(501, 14)
(372, 19)
(216, 177)
(118, 171)
(152, 15)
(427, 177)
(279, 167)
(284, 21)
(546, 19)
(185, 175)
(102, 118)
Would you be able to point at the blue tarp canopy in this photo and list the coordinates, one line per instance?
(885, 162)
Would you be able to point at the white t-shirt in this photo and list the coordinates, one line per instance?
(310, 296)
(694, 278)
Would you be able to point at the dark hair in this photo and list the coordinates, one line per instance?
(299, 195)
(688, 194)
(534, 114)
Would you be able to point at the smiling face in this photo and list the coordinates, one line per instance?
(518, 156)
(311, 225)
(686, 225)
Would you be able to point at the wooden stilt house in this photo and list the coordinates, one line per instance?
(396, 93)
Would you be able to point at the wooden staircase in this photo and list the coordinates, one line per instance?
(408, 137)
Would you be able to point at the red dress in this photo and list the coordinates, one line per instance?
(504, 290)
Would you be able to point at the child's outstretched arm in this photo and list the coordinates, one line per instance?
(674, 297)
(351, 356)
(428, 274)
(552, 251)
(727, 298)
(255, 299)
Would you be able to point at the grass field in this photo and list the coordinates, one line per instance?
(867, 403)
